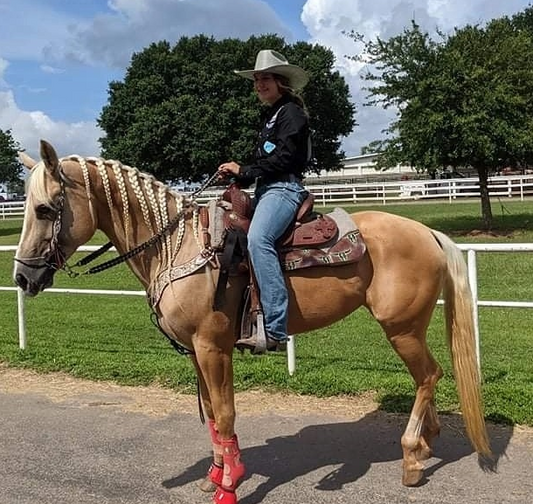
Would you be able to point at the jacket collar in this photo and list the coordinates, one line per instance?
(272, 109)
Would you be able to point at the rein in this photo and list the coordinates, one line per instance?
(124, 257)
(171, 226)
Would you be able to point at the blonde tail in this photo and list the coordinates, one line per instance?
(462, 344)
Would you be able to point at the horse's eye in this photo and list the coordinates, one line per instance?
(45, 212)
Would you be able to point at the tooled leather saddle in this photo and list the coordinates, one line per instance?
(308, 229)
(314, 239)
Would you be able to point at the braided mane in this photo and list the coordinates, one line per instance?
(151, 197)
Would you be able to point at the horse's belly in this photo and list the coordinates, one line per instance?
(323, 296)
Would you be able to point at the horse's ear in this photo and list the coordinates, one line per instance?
(26, 160)
(49, 157)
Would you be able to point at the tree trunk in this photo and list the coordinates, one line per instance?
(486, 210)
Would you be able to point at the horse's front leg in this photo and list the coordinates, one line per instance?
(214, 361)
(214, 475)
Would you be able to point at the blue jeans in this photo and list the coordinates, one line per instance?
(276, 205)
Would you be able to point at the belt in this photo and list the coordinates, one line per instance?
(290, 177)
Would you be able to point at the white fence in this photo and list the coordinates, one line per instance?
(518, 186)
(471, 250)
(11, 209)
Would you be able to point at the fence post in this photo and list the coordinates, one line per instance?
(22, 325)
(472, 280)
(291, 355)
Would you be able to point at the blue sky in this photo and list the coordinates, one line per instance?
(57, 57)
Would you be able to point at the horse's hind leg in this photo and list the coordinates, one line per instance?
(430, 430)
(423, 423)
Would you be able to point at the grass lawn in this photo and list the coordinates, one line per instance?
(112, 337)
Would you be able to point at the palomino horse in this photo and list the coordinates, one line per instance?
(399, 279)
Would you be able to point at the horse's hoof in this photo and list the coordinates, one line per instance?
(412, 477)
(206, 485)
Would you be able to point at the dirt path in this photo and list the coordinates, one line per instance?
(69, 440)
(159, 401)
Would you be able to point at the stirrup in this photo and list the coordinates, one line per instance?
(259, 342)
(257, 348)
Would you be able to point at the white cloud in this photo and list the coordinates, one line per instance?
(325, 21)
(112, 38)
(26, 26)
(51, 70)
(3, 66)
(28, 128)
(32, 90)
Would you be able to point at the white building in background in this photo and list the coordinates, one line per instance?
(4, 195)
(360, 167)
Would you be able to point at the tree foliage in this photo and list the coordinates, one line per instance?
(181, 111)
(10, 168)
(465, 100)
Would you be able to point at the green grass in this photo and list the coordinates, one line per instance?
(112, 337)
(512, 220)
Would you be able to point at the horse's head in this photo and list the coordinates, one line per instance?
(57, 219)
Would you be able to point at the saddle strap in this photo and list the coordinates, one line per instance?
(166, 277)
(251, 312)
(235, 248)
(204, 226)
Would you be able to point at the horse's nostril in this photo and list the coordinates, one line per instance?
(21, 281)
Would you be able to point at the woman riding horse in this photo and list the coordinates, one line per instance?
(399, 279)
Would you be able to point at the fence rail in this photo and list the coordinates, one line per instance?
(470, 249)
(11, 210)
(516, 186)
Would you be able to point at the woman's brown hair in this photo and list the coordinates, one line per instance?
(285, 89)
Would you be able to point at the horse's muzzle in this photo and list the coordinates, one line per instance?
(33, 280)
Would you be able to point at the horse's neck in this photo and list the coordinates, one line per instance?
(131, 208)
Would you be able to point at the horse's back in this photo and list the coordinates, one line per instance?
(391, 238)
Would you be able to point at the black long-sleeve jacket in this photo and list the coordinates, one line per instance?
(282, 148)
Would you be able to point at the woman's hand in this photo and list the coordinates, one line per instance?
(231, 168)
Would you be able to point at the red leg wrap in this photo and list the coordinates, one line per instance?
(217, 447)
(234, 469)
(215, 473)
(224, 496)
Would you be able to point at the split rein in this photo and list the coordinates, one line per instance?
(55, 258)
(69, 270)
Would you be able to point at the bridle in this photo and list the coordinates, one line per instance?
(54, 258)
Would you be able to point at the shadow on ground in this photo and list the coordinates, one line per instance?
(353, 446)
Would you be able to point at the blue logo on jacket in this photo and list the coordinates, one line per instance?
(269, 147)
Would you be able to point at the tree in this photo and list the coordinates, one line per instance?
(10, 168)
(181, 110)
(464, 101)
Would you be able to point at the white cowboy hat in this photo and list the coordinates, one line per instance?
(274, 62)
